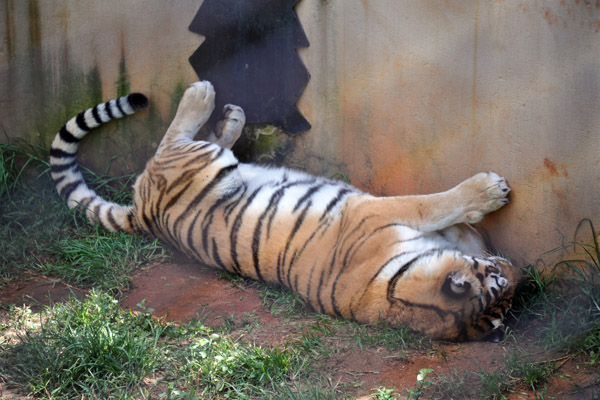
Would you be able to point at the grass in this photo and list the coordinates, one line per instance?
(95, 349)
(89, 347)
(40, 235)
(103, 259)
(566, 298)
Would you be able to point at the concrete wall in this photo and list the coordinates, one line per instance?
(58, 57)
(405, 96)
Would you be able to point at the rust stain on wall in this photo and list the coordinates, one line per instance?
(555, 170)
(550, 16)
(550, 166)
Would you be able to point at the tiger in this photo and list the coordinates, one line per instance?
(410, 261)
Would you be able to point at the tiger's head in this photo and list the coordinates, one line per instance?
(455, 297)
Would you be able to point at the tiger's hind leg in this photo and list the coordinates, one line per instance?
(230, 128)
(195, 107)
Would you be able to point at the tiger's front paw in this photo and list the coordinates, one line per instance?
(483, 193)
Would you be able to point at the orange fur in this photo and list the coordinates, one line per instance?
(408, 260)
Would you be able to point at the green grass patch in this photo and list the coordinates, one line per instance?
(102, 259)
(39, 234)
(93, 348)
(565, 299)
(281, 301)
(89, 348)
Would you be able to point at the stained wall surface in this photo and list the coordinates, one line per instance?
(405, 96)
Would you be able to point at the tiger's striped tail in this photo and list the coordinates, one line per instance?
(65, 170)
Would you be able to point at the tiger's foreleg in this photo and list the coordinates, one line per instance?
(195, 107)
(467, 202)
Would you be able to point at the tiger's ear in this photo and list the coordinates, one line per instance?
(456, 286)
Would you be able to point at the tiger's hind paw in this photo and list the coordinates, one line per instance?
(195, 107)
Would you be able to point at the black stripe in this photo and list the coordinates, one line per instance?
(494, 292)
(441, 313)
(118, 102)
(58, 153)
(149, 224)
(335, 200)
(216, 256)
(111, 219)
(67, 136)
(295, 229)
(271, 208)
(58, 180)
(194, 203)
(185, 176)
(171, 235)
(334, 304)
(198, 157)
(339, 246)
(481, 329)
(130, 220)
(309, 286)
(86, 201)
(306, 196)
(295, 288)
(279, 194)
(297, 253)
(218, 177)
(80, 120)
(236, 227)
(108, 110)
(366, 287)
(190, 240)
(96, 212)
(319, 292)
(219, 154)
(230, 208)
(174, 199)
(96, 115)
(462, 331)
(56, 168)
(172, 158)
(209, 216)
(394, 280)
(70, 188)
(348, 260)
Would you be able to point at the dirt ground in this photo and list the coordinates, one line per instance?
(179, 291)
